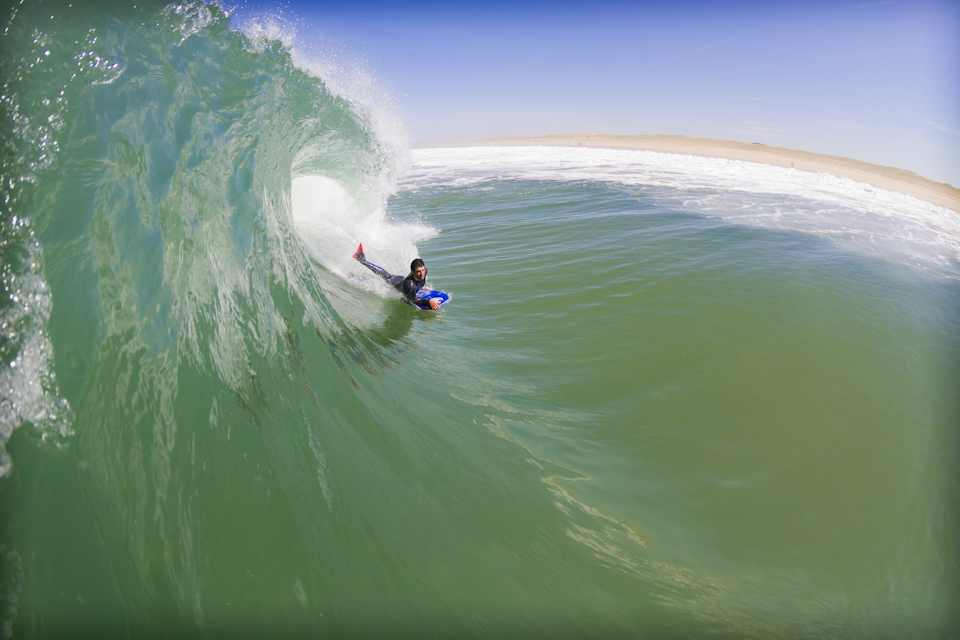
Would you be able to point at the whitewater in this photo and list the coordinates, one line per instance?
(672, 396)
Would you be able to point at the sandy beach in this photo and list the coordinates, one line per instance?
(899, 180)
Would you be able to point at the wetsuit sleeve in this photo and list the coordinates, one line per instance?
(410, 289)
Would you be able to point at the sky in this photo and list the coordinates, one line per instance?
(874, 81)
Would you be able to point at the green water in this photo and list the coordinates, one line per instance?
(634, 419)
(763, 410)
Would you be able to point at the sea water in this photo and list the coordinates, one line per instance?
(671, 396)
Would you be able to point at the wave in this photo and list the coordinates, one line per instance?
(148, 180)
(180, 204)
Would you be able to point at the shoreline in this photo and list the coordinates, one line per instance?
(889, 178)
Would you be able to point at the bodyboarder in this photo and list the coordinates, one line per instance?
(408, 286)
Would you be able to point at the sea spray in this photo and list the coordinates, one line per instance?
(28, 387)
(33, 105)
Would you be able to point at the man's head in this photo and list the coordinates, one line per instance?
(418, 269)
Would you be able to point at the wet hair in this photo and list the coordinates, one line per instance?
(416, 264)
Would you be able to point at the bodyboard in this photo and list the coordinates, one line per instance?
(424, 296)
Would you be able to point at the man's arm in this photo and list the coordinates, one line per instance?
(410, 290)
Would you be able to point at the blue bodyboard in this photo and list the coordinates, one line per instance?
(423, 298)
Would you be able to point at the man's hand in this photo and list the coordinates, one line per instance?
(434, 304)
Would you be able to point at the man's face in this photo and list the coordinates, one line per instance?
(420, 273)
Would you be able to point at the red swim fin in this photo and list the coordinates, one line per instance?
(359, 254)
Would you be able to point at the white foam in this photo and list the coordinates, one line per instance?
(331, 223)
(865, 217)
(193, 17)
(28, 388)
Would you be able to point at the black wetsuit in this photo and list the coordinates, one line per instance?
(408, 286)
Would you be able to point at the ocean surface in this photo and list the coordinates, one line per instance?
(671, 396)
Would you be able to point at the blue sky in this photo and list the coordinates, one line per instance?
(875, 81)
